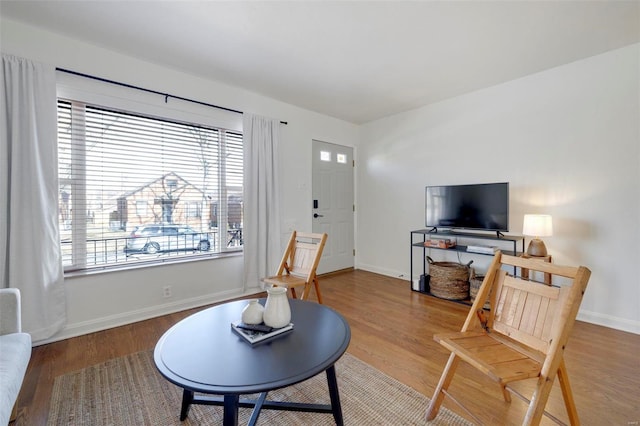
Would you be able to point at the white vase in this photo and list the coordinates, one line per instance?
(252, 313)
(277, 312)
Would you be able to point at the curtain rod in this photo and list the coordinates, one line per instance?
(155, 92)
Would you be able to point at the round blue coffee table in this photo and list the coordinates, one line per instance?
(202, 354)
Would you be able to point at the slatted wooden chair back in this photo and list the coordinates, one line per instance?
(527, 312)
(533, 313)
(304, 255)
(300, 262)
(522, 335)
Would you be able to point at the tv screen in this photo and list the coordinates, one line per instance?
(478, 206)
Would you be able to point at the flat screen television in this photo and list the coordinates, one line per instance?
(482, 206)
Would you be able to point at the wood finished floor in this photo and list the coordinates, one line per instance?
(392, 329)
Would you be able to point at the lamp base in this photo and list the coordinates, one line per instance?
(536, 248)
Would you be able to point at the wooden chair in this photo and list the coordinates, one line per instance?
(522, 336)
(299, 263)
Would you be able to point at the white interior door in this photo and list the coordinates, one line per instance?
(333, 203)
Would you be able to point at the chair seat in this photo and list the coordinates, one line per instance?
(287, 281)
(501, 362)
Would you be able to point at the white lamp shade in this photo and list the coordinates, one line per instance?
(537, 225)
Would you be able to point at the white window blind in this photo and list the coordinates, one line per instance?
(136, 188)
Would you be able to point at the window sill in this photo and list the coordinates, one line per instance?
(150, 264)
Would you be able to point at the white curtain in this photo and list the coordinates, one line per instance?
(261, 234)
(30, 256)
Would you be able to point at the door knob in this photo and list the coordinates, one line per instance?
(317, 215)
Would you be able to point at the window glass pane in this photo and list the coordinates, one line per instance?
(128, 182)
(325, 156)
(341, 158)
(193, 209)
(141, 208)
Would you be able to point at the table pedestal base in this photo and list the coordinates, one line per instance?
(231, 403)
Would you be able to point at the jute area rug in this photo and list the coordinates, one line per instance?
(129, 391)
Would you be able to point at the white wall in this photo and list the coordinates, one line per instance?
(104, 300)
(566, 139)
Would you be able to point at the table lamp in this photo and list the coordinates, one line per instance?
(536, 226)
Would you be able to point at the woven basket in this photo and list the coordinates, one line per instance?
(474, 286)
(449, 280)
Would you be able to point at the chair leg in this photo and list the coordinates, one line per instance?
(315, 284)
(443, 385)
(538, 401)
(563, 378)
(505, 393)
(306, 291)
(293, 293)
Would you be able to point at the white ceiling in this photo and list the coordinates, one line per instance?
(354, 60)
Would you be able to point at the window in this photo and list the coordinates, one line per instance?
(326, 156)
(193, 209)
(140, 189)
(141, 208)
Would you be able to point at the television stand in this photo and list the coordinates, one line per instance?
(509, 241)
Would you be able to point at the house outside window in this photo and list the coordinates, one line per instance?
(128, 171)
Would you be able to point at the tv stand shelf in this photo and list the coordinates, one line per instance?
(510, 241)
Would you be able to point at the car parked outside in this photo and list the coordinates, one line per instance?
(156, 238)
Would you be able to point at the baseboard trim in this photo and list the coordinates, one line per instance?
(124, 318)
(386, 272)
(609, 321)
(104, 323)
(338, 272)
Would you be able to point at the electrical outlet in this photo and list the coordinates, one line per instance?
(166, 291)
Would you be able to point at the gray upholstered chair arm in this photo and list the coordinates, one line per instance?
(10, 319)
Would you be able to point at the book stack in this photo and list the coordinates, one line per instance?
(256, 334)
(482, 249)
(444, 244)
